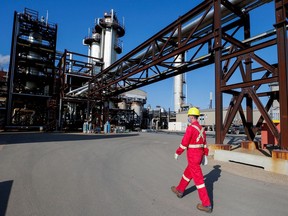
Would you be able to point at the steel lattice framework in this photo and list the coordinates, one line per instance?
(215, 32)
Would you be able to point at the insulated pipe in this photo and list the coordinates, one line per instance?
(208, 20)
(78, 89)
(249, 40)
(224, 12)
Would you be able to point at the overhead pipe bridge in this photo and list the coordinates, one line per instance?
(215, 32)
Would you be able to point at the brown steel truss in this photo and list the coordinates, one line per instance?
(215, 32)
(74, 73)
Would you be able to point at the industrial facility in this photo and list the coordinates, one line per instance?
(32, 75)
(50, 90)
(77, 130)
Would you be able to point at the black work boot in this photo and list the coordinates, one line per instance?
(178, 193)
(207, 209)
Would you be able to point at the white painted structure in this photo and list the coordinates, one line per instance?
(177, 126)
(178, 86)
(275, 108)
(134, 100)
(104, 42)
(94, 48)
(208, 117)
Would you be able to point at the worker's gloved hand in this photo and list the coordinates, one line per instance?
(204, 160)
(206, 151)
(176, 156)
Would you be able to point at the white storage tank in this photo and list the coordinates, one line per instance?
(122, 105)
(137, 107)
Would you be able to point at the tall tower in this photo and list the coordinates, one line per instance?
(178, 86)
(94, 43)
(104, 42)
(31, 71)
(210, 103)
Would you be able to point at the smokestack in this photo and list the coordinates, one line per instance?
(210, 104)
(178, 85)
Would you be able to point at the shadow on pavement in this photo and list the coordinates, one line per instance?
(210, 179)
(235, 139)
(5, 190)
(32, 137)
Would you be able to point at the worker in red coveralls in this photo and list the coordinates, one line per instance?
(194, 142)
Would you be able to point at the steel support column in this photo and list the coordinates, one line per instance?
(211, 31)
(218, 72)
(248, 69)
(282, 47)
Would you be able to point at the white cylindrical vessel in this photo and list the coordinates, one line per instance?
(113, 31)
(137, 107)
(104, 41)
(122, 105)
(108, 47)
(95, 46)
(178, 86)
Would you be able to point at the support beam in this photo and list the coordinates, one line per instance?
(218, 72)
(282, 47)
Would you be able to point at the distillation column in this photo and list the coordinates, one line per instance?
(178, 86)
(94, 45)
(104, 43)
(111, 32)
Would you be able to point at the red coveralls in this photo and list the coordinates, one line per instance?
(194, 140)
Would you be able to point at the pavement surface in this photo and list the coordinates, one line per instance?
(43, 174)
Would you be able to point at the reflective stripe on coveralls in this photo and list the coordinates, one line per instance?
(188, 180)
(185, 178)
(200, 186)
(182, 147)
(193, 146)
(197, 146)
(200, 132)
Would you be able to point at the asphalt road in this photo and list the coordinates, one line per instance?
(59, 174)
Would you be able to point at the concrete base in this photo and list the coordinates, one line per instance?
(279, 166)
(213, 147)
(250, 145)
(280, 154)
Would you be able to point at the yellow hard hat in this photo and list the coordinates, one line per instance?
(194, 111)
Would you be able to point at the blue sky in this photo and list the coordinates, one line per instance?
(142, 19)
